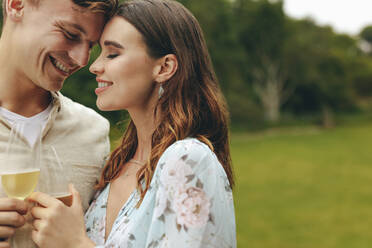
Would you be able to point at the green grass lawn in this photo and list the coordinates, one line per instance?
(302, 188)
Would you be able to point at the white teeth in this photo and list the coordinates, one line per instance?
(60, 66)
(101, 84)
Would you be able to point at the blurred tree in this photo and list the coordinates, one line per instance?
(263, 33)
(1, 17)
(216, 19)
(321, 68)
(366, 34)
(366, 40)
(362, 79)
(363, 84)
(363, 72)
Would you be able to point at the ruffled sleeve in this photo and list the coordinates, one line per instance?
(193, 203)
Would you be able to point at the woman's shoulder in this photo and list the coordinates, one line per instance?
(189, 149)
(189, 155)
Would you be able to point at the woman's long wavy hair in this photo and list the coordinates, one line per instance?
(192, 104)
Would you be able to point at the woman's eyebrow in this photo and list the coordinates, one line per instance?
(112, 43)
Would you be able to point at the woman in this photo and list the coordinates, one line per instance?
(169, 182)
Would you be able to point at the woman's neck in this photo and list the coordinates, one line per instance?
(145, 125)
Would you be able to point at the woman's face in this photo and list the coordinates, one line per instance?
(125, 72)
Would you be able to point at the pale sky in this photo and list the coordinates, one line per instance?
(345, 16)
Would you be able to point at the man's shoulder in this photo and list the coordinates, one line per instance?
(79, 119)
(79, 132)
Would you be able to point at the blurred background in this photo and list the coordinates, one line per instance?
(297, 76)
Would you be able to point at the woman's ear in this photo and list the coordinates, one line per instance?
(166, 68)
(14, 9)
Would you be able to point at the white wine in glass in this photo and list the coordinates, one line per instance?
(20, 184)
(20, 166)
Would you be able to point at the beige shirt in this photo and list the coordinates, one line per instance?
(79, 136)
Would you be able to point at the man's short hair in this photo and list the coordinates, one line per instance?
(107, 7)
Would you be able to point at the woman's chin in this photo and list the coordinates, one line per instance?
(101, 106)
(106, 107)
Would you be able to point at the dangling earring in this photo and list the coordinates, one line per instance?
(161, 91)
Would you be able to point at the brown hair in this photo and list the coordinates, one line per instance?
(192, 104)
(107, 7)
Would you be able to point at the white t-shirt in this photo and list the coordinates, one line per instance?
(29, 127)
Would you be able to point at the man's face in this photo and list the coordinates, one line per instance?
(53, 40)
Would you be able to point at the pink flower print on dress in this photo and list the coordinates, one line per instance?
(175, 175)
(192, 208)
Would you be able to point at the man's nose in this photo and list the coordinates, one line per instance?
(80, 54)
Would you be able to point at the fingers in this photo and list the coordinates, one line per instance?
(76, 199)
(12, 219)
(8, 204)
(37, 224)
(43, 199)
(11, 211)
(35, 237)
(6, 232)
(4, 244)
(39, 212)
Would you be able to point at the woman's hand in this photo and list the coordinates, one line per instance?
(57, 225)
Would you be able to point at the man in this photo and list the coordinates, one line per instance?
(42, 43)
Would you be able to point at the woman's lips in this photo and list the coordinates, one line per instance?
(102, 86)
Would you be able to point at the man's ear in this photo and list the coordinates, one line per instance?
(166, 68)
(14, 9)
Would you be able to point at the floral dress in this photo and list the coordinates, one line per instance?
(189, 204)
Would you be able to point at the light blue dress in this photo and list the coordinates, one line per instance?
(189, 204)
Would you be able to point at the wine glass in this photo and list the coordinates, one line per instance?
(55, 181)
(20, 167)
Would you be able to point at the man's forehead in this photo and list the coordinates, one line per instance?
(69, 15)
(66, 6)
(82, 19)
